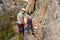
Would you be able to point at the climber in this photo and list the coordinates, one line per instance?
(29, 22)
(20, 21)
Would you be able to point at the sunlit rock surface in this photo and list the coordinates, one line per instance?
(8, 5)
(47, 20)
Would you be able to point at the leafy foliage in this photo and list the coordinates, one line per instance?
(6, 30)
(0, 1)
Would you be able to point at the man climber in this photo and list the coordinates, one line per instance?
(20, 21)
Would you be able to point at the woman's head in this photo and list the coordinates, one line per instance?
(29, 12)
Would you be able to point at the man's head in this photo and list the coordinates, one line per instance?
(23, 10)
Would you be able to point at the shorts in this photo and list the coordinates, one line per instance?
(21, 26)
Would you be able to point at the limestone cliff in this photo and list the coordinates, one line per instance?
(46, 19)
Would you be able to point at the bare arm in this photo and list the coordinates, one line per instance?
(22, 20)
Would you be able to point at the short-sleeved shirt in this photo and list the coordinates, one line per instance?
(28, 16)
(29, 19)
(18, 18)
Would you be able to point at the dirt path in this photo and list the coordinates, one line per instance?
(16, 32)
(27, 36)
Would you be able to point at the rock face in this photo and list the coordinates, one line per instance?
(8, 5)
(47, 20)
(53, 22)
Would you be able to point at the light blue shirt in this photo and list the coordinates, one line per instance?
(18, 18)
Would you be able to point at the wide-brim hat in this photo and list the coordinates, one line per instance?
(23, 9)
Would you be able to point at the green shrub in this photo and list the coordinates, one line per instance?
(6, 30)
(0, 1)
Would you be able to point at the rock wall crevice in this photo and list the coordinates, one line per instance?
(47, 20)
